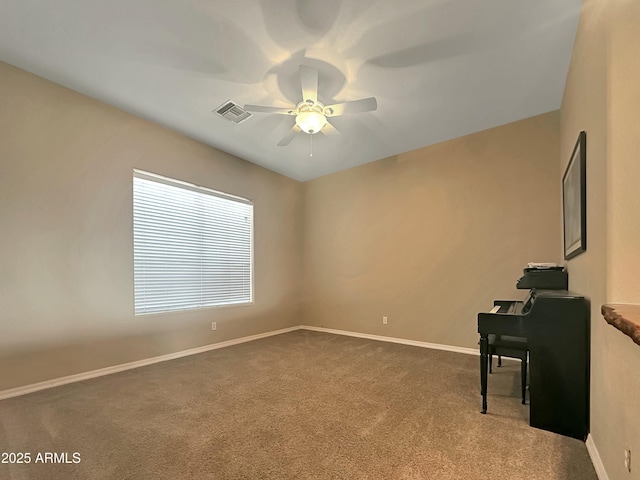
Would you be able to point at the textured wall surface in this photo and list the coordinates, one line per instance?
(601, 97)
(66, 248)
(431, 237)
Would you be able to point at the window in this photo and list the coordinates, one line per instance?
(192, 247)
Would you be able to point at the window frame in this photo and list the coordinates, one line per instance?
(160, 179)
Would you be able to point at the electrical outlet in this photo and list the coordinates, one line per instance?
(384, 320)
(627, 459)
(213, 325)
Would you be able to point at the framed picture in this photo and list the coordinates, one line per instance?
(574, 200)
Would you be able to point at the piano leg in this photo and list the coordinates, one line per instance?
(524, 380)
(484, 351)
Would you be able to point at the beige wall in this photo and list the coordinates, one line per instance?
(623, 133)
(427, 238)
(430, 237)
(66, 289)
(601, 97)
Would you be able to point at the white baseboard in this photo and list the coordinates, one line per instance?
(56, 382)
(595, 459)
(413, 343)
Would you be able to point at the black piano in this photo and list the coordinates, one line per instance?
(556, 324)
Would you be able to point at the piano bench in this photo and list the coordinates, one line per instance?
(512, 347)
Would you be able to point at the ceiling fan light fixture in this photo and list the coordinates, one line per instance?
(311, 122)
(310, 114)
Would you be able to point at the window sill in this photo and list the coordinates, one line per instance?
(625, 318)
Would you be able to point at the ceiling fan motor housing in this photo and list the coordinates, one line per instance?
(310, 114)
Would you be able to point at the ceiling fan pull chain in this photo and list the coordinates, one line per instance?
(311, 145)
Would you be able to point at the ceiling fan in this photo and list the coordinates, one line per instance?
(311, 115)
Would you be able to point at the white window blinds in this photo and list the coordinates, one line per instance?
(192, 246)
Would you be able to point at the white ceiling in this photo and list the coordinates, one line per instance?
(438, 68)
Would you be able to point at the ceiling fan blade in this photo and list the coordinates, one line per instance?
(265, 109)
(309, 82)
(356, 106)
(329, 129)
(286, 140)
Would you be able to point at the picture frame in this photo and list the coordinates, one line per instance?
(574, 200)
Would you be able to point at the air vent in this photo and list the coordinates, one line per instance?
(232, 112)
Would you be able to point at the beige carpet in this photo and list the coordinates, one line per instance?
(303, 405)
